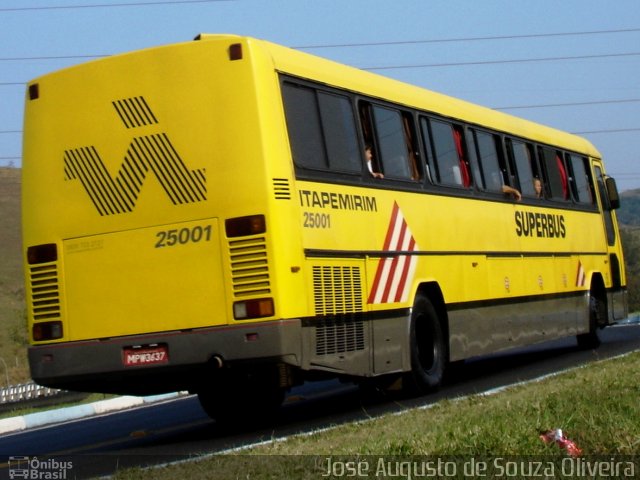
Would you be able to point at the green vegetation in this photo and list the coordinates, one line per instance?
(13, 335)
(596, 407)
(631, 244)
(629, 219)
(629, 212)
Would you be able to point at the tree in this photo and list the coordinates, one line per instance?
(631, 245)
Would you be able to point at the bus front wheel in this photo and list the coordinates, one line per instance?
(428, 348)
(597, 317)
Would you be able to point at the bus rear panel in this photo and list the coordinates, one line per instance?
(147, 253)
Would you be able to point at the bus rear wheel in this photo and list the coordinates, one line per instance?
(245, 398)
(428, 349)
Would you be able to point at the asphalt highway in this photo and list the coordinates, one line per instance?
(179, 429)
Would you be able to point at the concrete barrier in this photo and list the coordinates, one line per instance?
(66, 414)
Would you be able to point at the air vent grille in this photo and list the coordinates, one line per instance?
(249, 267)
(45, 292)
(339, 336)
(281, 189)
(337, 290)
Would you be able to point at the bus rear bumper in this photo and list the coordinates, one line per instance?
(164, 362)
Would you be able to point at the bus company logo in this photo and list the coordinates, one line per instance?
(146, 154)
(33, 468)
(395, 273)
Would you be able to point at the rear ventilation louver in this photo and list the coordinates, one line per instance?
(337, 290)
(249, 267)
(281, 189)
(45, 293)
(339, 336)
(338, 297)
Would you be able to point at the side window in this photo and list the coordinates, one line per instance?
(555, 174)
(415, 166)
(426, 141)
(581, 182)
(522, 158)
(605, 207)
(389, 133)
(322, 130)
(451, 167)
(391, 143)
(372, 159)
(491, 164)
(303, 124)
(340, 133)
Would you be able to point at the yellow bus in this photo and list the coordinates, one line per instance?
(232, 217)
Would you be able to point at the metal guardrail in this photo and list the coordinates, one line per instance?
(31, 394)
(26, 392)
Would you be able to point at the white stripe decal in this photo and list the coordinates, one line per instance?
(581, 277)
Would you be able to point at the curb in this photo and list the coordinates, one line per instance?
(41, 419)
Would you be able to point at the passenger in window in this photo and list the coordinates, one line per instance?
(512, 191)
(368, 153)
(537, 186)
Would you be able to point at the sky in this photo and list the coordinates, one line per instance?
(570, 64)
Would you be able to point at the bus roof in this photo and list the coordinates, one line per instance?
(312, 67)
(301, 64)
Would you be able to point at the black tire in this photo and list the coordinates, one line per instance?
(243, 398)
(428, 349)
(597, 317)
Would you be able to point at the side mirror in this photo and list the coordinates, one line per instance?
(612, 193)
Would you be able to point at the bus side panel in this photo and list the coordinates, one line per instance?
(344, 336)
(620, 303)
(363, 347)
(481, 330)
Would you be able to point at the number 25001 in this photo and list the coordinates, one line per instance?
(317, 220)
(181, 236)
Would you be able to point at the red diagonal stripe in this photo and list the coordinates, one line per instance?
(392, 226)
(405, 271)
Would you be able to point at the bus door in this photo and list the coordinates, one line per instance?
(609, 201)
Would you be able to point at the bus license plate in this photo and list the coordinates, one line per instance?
(135, 357)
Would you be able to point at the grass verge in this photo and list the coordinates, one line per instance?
(596, 406)
(13, 332)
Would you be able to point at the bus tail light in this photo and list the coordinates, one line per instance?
(47, 331)
(254, 308)
(45, 253)
(244, 226)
